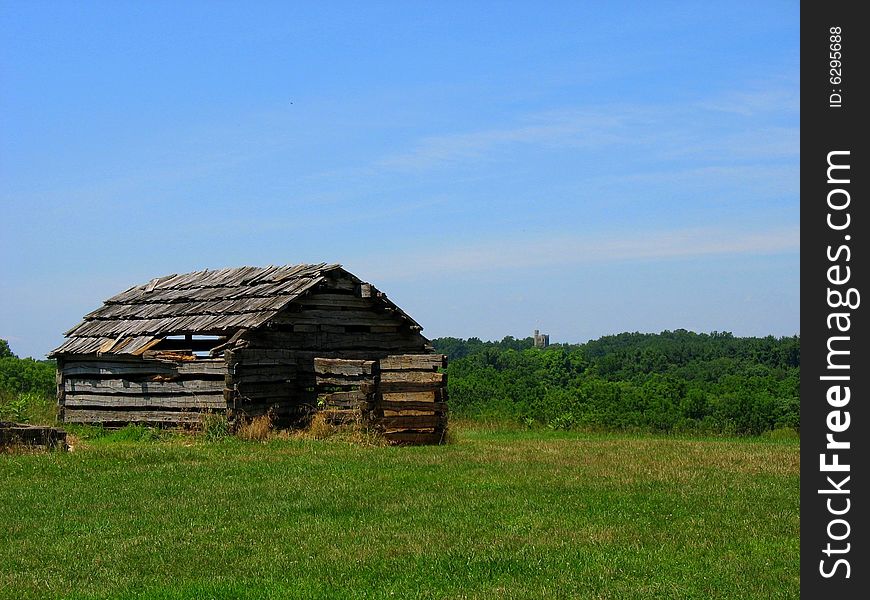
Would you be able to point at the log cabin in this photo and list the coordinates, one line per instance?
(283, 341)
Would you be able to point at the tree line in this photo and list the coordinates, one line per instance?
(674, 381)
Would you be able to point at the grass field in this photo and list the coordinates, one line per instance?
(497, 514)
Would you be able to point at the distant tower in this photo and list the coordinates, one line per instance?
(541, 340)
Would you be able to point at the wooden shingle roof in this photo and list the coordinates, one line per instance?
(203, 302)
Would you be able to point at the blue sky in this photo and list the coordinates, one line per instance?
(495, 167)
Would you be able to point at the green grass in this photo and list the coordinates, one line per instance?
(497, 514)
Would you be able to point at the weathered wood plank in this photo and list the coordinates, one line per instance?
(245, 369)
(336, 300)
(123, 386)
(253, 354)
(400, 387)
(337, 404)
(273, 377)
(266, 388)
(112, 417)
(58, 384)
(399, 413)
(203, 367)
(187, 344)
(266, 362)
(426, 377)
(403, 362)
(410, 421)
(338, 366)
(150, 367)
(409, 342)
(337, 317)
(327, 328)
(303, 361)
(344, 397)
(338, 380)
(212, 401)
(430, 395)
(305, 358)
(344, 314)
(385, 328)
(19, 434)
(257, 373)
(439, 407)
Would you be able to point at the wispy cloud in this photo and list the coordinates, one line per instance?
(756, 144)
(661, 130)
(750, 103)
(769, 180)
(570, 250)
(588, 128)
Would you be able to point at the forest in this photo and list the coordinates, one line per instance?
(674, 381)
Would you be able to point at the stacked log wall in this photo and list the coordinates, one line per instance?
(341, 316)
(341, 319)
(403, 396)
(121, 390)
(345, 388)
(262, 381)
(411, 402)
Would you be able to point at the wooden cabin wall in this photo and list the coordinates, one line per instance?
(261, 381)
(403, 396)
(346, 388)
(411, 401)
(333, 321)
(120, 390)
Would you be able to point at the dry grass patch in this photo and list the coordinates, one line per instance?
(322, 427)
(257, 429)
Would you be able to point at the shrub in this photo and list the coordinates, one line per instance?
(27, 375)
(563, 421)
(28, 407)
